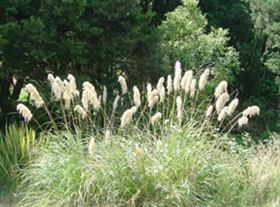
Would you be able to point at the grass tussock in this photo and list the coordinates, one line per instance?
(176, 169)
(167, 146)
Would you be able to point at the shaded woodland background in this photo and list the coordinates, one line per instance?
(98, 40)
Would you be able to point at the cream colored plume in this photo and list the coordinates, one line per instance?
(34, 95)
(123, 84)
(169, 84)
(251, 111)
(127, 116)
(221, 102)
(178, 75)
(192, 88)
(209, 111)
(223, 114)
(57, 88)
(89, 97)
(242, 121)
(232, 106)
(221, 88)
(25, 112)
(80, 110)
(136, 96)
(179, 104)
(203, 79)
(104, 95)
(161, 89)
(51, 78)
(116, 102)
(155, 118)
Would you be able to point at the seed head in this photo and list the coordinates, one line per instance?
(223, 114)
(209, 111)
(51, 78)
(80, 110)
(116, 102)
(127, 116)
(192, 88)
(169, 84)
(251, 111)
(179, 104)
(104, 96)
(221, 102)
(161, 89)
(123, 84)
(57, 88)
(25, 112)
(232, 106)
(89, 97)
(178, 75)
(136, 96)
(243, 121)
(203, 79)
(34, 95)
(155, 118)
(221, 88)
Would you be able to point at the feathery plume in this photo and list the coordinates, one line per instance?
(136, 96)
(153, 101)
(70, 77)
(91, 147)
(51, 78)
(57, 88)
(116, 102)
(223, 114)
(67, 94)
(24, 112)
(89, 97)
(161, 89)
(123, 84)
(184, 80)
(251, 111)
(169, 84)
(179, 104)
(104, 96)
(177, 77)
(73, 86)
(221, 88)
(242, 121)
(232, 106)
(209, 111)
(80, 110)
(127, 116)
(203, 79)
(192, 88)
(189, 78)
(221, 102)
(34, 95)
(155, 118)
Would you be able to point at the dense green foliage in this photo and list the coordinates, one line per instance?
(184, 38)
(256, 83)
(96, 39)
